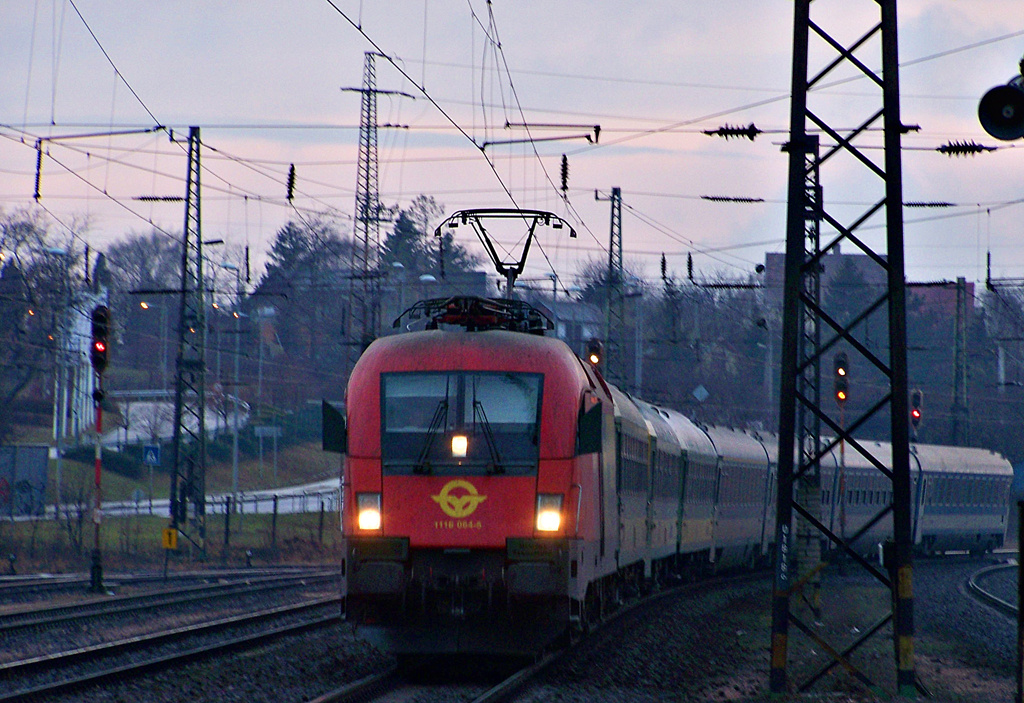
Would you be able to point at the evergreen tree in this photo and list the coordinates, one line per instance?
(412, 243)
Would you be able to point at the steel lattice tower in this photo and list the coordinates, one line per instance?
(368, 214)
(188, 477)
(808, 489)
(799, 359)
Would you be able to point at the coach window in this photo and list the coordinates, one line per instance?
(495, 415)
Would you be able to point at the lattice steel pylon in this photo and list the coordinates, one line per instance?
(367, 202)
(890, 403)
(369, 212)
(808, 488)
(188, 475)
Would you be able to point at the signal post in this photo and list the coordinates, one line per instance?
(98, 356)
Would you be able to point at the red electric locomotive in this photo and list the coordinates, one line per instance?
(472, 484)
(497, 494)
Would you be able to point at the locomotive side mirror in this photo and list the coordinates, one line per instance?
(335, 434)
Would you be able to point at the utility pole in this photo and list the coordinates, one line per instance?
(961, 413)
(188, 475)
(237, 314)
(615, 299)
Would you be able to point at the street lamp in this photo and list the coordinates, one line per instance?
(399, 270)
(234, 424)
(163, 340)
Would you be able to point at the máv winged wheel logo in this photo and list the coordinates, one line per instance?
(459, 498)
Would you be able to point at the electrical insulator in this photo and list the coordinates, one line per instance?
(565, 173)
(963, 148)
(729, 131)
(291, 183)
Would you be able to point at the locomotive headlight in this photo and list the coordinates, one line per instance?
(460, 445)
(368, 511)
(549, 512)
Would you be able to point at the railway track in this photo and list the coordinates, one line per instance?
(975, 588)
(74, 670)
(24, 589)
(395, 686)
(48, 616)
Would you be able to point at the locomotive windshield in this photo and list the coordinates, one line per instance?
(448, 423)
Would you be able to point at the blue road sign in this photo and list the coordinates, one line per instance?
(151, 454)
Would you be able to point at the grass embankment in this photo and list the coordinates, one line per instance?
(134, 542)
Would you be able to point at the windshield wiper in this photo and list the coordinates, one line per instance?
(496, 467)
(422, 465)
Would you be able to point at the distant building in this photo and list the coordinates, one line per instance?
(575, 322)
(841, 271)
(836, 267)
(940, 300)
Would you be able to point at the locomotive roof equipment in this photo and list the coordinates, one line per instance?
(475, 217)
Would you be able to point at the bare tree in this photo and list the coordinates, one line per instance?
(38, 274)
(75, 509)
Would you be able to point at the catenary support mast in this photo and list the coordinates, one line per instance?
(188, 477)
(615, 359)
(369, 212)
(888, 406)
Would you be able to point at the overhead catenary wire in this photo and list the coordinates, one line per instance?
(252, 193)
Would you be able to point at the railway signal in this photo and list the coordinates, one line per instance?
(100, 335)
(595, 352)
(915, 408)
(842, 378)
(98, 355)
(1001, 110)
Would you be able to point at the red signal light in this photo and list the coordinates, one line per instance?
(916, 399)
(100, 332)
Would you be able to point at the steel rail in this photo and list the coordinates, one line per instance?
(975, 589)
(55, 661)
(51, 615)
